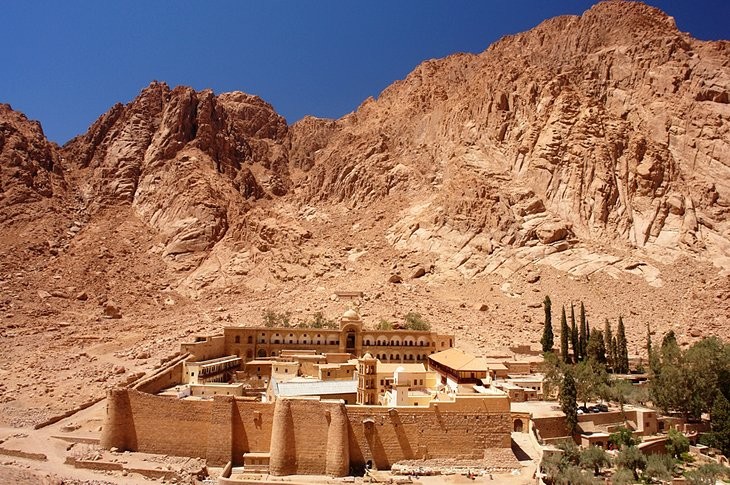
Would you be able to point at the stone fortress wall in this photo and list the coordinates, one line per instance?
(304, 436)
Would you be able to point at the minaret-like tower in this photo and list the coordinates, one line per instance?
(367, 389)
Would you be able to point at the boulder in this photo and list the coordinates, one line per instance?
(112, 310)
(419, 272)
(552, 231)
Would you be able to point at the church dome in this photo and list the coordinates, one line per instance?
(350, 315)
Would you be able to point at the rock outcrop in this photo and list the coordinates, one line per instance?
(189, 162)
(30, 167)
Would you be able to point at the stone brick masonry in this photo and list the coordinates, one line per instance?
(304, 436)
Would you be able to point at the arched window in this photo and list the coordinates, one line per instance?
(237, 339)
(250, 339)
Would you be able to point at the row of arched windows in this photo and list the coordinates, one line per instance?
(396, 342)
(386, 357)
(291, 339)
(306, 339)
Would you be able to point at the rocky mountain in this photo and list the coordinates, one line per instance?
(588, 158)
(189, 163)
(611, 127)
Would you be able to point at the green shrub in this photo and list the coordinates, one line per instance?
(414, 321)
(677, 444)
(659, 467)
(273, 318)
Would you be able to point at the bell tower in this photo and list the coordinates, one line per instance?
(367, 388)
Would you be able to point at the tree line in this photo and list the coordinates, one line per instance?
(693, 382)
(579, 343)
(688, 382)
(574, 466)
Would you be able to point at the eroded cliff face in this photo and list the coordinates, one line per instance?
(189, 162)
(611, 127)
(30, 168)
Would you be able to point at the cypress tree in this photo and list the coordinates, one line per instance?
(547, 333)
(648, 340)
(652, 354)
(569, 401)
(610, 350)
(574, 335)
(583, 333)
(596, 349)
(622, 347)
(720, 424)
(564, 331)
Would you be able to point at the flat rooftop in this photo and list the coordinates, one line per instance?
(313, 387)
(390, 368)
(539, 409)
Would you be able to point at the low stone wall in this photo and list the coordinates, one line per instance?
(67, 414)
(551, 428)
(23, 454)
(167, 376)
(112, 466)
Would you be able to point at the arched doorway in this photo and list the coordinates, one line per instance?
(350, 342)
(261, 353)
(518, 425)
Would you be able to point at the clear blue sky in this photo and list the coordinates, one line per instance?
(66, 63)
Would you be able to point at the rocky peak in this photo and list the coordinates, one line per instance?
(233, 130)
(607, 130)
(30, 167)
(184, 159)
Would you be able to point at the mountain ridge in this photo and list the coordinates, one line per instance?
(587, 158)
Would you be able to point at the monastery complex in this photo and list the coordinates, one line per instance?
(278, 400)
(338, 402)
